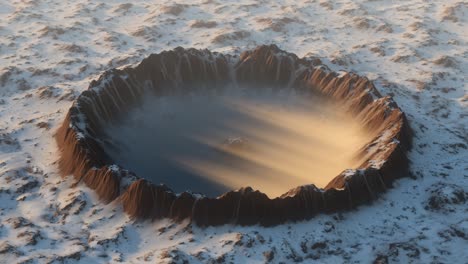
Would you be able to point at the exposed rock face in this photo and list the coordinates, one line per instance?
(118, 90)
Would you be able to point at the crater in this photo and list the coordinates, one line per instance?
(261, 138)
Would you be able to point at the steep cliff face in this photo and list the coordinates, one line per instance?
(168, 72)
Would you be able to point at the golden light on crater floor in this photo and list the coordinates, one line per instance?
(271, 140)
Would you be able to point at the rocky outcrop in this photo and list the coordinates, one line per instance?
(175, 71)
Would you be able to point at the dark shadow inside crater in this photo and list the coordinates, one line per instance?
(215, 140)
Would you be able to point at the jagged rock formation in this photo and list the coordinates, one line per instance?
(120, 89)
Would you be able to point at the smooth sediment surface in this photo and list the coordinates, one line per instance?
(208, 142)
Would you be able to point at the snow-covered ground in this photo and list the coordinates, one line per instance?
(415, 50)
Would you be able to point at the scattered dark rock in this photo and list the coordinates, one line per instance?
(269, 255)
(17, 222)
(7, 74)
(175, 256)
(260, 238)
(31, 236)
(6, 248)
(408, 249)
(204, 24)
(446, 61)
(444, 197)
(278, 24)
(228, 37)
(319, 245)
(27, 186)
(239, 240)
(23, 85)
(8, 143)
(328, 227)
(174, 9)
(292, 254)
(75, 256)
(43, 125)
(47, 92)
(68, 95)
(54, 32)
(109, 241)
(123, 8)
(381, 259)
(450, 12)
(452, 232)
(220, 259)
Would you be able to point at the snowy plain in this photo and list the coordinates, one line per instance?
(415, 51)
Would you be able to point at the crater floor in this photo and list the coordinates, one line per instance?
(216, 141)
